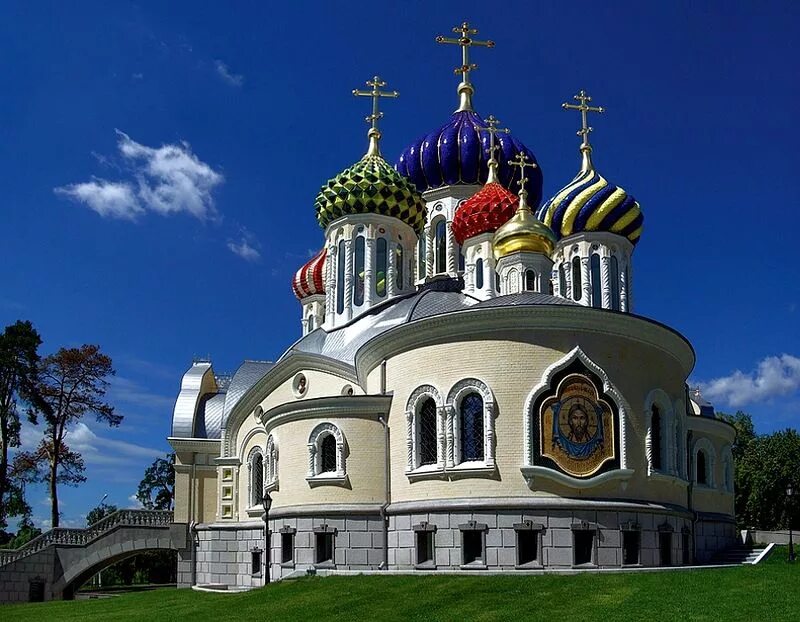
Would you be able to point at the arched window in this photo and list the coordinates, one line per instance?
(398, 267)
(328, 454)
(577, 289)
(461, 259)
(479, 274)
(530, 280)
(358, 272)
(340, 263)
(421, 259)
(256, 484)
(426, 432)
(656, 437)
(614, 278)
(597, 294)
(562, 281)
(441, 246)
(497, 282)
(702, 468)
(471, 428)
(310, 323)
(380, 267)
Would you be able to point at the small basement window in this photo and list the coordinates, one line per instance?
(665, 547)
(255, 562)
(324, 548)
(424, 547)
(583, 546)
(472, 545)
(631, 546)
(527, 547)
(287, 548)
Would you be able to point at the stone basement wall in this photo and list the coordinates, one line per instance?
(16, 577)
(713, 536)
(224, 556)
(358, 542)
(556, 544)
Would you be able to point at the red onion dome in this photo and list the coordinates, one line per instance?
(309, 279)
(484, 212)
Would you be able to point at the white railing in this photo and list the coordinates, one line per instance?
(61, 536)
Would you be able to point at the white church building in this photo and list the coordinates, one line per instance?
(472, 389)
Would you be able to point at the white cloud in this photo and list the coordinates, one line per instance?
(135, 504)
(110, 199)
(775, 376)
(100, 450)
(168, 180)
(224, 72)
(246, 248)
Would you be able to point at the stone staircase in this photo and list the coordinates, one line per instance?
(742, 554)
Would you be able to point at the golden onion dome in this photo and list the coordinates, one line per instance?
(523, 233)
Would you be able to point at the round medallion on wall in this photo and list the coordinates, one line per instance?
(300, 385)
(258, 412)
(347, 390)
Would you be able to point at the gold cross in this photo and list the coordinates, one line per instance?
(584, 109)
(491, 127)
(523, 163)
(465, 41)
(376, 83)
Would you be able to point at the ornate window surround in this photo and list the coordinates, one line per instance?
(705, 445)
(415, 401)
(452, 405)
(254, 509)
(271, 465)
(315, 475)
(530, 470)
(727, 469)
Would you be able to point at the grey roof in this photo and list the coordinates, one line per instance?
(343, 343)
(186, 404)
(208, 423)
(245, 377)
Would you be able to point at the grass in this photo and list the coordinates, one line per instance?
(769, 591)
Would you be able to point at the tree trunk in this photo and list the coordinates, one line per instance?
(53, 494)
(3, 472)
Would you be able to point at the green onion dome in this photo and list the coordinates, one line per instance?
(370, 186)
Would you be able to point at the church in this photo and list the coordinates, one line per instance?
(472, 389)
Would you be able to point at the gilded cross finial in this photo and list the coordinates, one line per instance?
(491, 127)
(586, 129)
(374, 133)
(522, 161)
(465, 89)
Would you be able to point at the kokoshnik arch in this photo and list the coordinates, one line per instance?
(471, 389)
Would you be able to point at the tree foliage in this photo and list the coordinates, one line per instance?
(765, 465)
(100, 512)
(157, 488)
(19, 365)
(72, 383)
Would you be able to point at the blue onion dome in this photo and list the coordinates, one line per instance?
(456, 153)
(590, 203)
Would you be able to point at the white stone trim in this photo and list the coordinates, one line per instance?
(254, 453)
(315, 474)
(457, 393)
(271, 464)
(622, 476)
(576, 354)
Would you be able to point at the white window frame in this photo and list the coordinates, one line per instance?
(271, 465)
(251, 458)
(413, 406)
(452, 405)
(315, 475)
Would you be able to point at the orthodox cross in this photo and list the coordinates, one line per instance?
(374, 133)
(584, 109)
(491, 126)
(465, 41)
(523, 163)
(376, 83)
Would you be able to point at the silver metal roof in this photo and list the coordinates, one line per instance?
(245, 377)
(208, 423)
(525, 298)
(186, 404)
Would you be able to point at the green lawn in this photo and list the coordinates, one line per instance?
(769, 591)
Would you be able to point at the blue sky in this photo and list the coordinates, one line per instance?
(160, 163)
